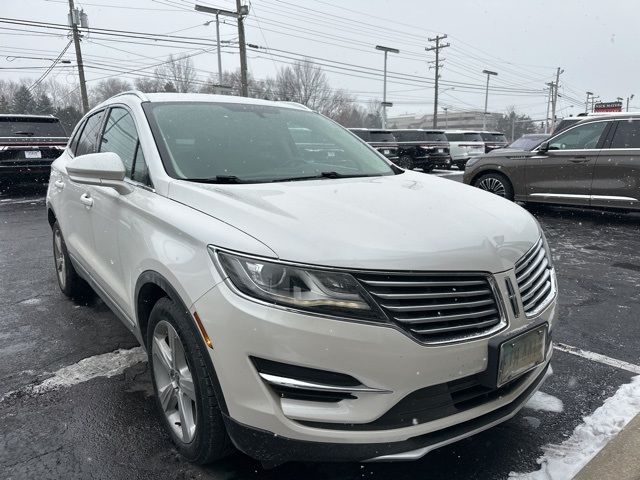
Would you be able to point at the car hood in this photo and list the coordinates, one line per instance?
(410, 221)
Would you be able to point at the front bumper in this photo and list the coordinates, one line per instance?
(379, 356)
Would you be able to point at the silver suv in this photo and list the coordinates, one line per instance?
(287, 305)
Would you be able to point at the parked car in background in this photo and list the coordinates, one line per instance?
(423, 149)
(528, 141)
(28, 146)
(594, 163)
(493, 140)
(295, 310)
(464, 145)
(382, 140)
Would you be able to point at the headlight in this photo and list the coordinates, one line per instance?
(321, 291)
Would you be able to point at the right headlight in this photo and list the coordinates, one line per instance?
(314, 290)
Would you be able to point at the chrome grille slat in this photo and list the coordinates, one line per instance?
(436, 307)
(533, 276)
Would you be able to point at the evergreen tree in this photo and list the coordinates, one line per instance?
(68, 117)
(4, 105)
(44, 105)
(23, 101)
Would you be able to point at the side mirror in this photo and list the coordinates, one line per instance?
(103, 169)
(544, 147)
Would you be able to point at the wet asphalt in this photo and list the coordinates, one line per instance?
(108, 428)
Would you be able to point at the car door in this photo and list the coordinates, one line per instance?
(114, 223)
(75, 213)
(563, 173)
(616, 177)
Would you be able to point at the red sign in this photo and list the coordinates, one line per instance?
(608, 107)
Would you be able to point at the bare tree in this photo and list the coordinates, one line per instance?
(179, 72)
(148, 84)
(303, 82)
(108, 88)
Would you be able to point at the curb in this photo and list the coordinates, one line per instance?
(618, 460)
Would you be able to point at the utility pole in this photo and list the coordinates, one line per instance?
(436, 48)
(586, 104)
(73, 14)
(629, 98)
(446, 117)
(486, 98)
(546, 123)
(242, 11)
(555, 98)
(385, 104)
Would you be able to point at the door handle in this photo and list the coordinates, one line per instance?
(579, 160)
(59, 184)
(86, 200)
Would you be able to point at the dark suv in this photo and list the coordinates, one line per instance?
(593, 163)
(28, 146)
(425, 149)
(382, 140)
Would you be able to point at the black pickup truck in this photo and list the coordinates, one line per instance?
(28, 146)
(425, 149)
(382, 140)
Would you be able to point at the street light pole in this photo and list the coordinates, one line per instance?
(486, 97)
(629, 98)
(586, 104)
(386, 50)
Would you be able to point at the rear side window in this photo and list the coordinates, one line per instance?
(88, 142)
(627, 135)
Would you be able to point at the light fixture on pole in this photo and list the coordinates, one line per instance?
(629, 98)
(488, 73)
(586, 104)
(385, 104)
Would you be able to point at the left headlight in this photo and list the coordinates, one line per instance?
(309, 289)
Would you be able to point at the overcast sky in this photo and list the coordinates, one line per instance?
(596, 43)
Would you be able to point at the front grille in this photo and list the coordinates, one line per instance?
(533, 274)
(436, 307)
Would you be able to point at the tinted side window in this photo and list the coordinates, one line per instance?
(627, 135)
(582, 137)
(88, 142)
(120, 136)
(73, 142)
(454, 137)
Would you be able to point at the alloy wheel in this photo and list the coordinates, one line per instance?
(174, 382)
(58, 255)
(493, 185)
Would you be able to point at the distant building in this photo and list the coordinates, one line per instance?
(469, 120)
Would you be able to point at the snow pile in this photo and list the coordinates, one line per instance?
(104, 365)
(544, 402)
(564, 461)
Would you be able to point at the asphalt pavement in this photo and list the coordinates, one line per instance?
(107, 427)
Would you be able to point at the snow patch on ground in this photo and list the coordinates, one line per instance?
(567, 459)
(544, 402)
(104, 365)
(30, 301)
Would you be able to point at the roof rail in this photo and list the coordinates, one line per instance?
(137, 93)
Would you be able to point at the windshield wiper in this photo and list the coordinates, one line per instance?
(29, 134)
(216, 179)
(322, 175)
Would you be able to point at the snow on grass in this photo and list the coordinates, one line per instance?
(544, 402)
(104, 365)
(565, 460)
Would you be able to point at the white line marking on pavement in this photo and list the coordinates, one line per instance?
(565, 460)
(596, 357)
(544, 402)
(104, 365)
(9, 201)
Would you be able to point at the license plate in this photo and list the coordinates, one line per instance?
(32, 154)
(440, 150)
(386, 152)
(521, 354)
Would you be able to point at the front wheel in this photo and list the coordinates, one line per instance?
(405, 162)
(184, 385)
(495, 183)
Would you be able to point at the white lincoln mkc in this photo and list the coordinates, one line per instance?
(292, 303)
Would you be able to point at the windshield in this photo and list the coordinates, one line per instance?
(435, 136)
(528, 142)
(37, 127)
(256, 143)
(493, 137)
(382, 137)
(409, 135)
(472, 137)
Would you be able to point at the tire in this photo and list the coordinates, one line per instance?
(405, 162)
(183, 382)
(461, 166)
(429, 169)
(69, 281)
(495, 183)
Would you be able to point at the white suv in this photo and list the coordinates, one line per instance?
(288, 307)
(464, 145)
